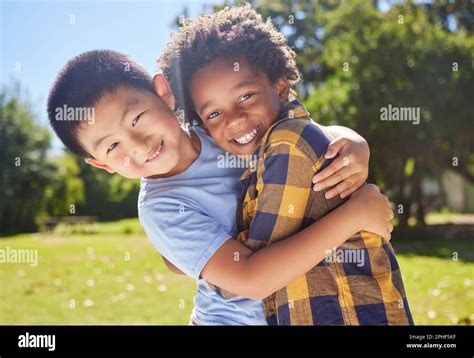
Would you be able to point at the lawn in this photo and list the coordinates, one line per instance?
(113, 275)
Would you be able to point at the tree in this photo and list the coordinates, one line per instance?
(399, 58)
(108, 196)
(25, 169)
(66, 190)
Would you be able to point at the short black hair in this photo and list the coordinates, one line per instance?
(83, 81)
(237, 31)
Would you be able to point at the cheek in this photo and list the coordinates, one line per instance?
(218, 135)
(269, 113)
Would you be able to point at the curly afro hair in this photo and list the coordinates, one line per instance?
(234, 32)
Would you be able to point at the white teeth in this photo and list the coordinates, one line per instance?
(247, 137)
(156, 153)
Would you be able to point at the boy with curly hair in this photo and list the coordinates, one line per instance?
(235, 73)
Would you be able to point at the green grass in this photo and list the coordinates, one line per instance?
(131, 285)
(139, 290)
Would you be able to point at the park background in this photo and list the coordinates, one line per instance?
(356, 57)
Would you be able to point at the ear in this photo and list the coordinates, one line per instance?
(282, 86)
(98, 164)
(163, 89)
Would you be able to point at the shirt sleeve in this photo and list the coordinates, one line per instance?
(183, 235)
(284, 187)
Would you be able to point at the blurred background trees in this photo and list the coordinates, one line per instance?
(356, 58)
(25, 168)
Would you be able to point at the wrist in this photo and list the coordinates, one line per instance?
(357, 208)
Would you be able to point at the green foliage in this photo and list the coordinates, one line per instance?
(24, 167)
(400, 58)
(67, 188)
(108, 196)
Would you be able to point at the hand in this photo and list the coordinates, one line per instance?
(375, 209)
(349, 170)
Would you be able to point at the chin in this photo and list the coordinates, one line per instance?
(246, 152)
(243, 151)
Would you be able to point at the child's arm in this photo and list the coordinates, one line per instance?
(256, 275)
(283, 193)
(172, 267)
(350, 169)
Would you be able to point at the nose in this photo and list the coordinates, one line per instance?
(139, 148)
(236, 120)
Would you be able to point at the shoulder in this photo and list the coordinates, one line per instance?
(303, 135)
(161, 202)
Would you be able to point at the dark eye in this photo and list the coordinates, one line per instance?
(246, 97)
(112, 146)
(136, 119)
(213, 115)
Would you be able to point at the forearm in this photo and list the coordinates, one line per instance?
(274, 267)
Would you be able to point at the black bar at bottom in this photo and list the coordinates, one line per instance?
(447, 341)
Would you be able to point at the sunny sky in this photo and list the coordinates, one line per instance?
(38, 38)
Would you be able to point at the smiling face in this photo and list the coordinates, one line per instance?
(236, 105)
(135, 134)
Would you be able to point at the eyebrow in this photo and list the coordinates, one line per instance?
(131, 103)
(246, 82)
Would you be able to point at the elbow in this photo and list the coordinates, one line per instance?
(253, 289)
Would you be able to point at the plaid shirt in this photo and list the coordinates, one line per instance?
(278, 201)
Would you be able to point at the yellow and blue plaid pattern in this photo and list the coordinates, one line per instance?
(278, 201)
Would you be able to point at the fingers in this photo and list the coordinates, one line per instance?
(336, 178)
(328, 171)
(346, 187)
(335, 147)
(335, 174)
(336, 165)
(347, 193)
(337, 190)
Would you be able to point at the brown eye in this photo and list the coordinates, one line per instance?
(213, 115)
(112, 146)
(246, 97)
(136, 119)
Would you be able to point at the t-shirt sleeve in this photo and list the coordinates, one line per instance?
(183, 235)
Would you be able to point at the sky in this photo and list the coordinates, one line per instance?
(38, 38)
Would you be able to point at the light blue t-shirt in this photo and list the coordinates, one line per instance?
(188, 217)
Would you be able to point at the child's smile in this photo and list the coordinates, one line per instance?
(156, 153)
(247, 137)
(236, 104)
(142, 140)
